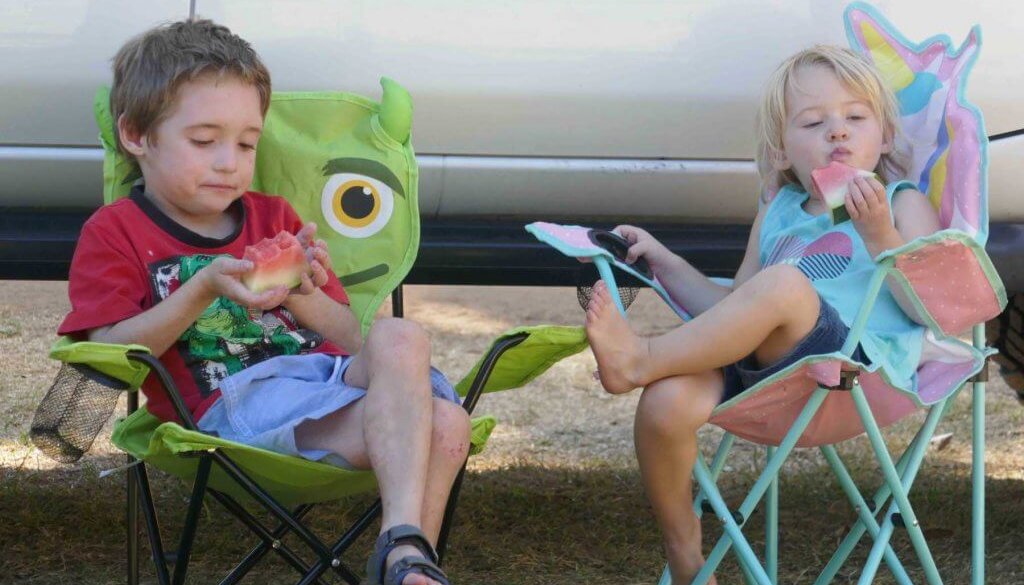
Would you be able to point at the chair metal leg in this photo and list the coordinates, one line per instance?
(978, 471)
(132, 521)
(132, 512)
(188, 533)
(771, 523)
(152, 524)
(895, 484)
(866, 522)
(755, 494)
(716, 469)
(449, 516)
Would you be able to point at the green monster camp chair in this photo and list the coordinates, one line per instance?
(317, 150)
(823, 400)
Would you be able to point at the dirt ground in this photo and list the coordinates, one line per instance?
(554, 499)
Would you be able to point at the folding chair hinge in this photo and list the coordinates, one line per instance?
(847, 378)
(982, 375)
(897, 520)
(736, 516)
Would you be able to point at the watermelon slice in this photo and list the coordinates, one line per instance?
(832, 183)
(276, 261)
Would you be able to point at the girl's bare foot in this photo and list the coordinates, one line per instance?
(620, 353)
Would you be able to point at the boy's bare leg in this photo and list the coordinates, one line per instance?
(665, 433)
(391, 430)
(449, 447)
(767, 316)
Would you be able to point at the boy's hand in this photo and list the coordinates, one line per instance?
(644, 245)
(868, 207)
(221, 279)
(318, 257)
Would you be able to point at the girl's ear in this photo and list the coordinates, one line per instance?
(887, 145)
(131, 140)
(780, 162)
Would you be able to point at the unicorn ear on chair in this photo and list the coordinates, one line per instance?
(943, 135)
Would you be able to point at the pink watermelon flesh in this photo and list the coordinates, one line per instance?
(277, 261)
(831, 184)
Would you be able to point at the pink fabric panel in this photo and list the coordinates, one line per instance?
(937, 379)
(951, 284)
(570, 234)
(766, 417)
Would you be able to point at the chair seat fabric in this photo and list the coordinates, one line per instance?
(291, 480)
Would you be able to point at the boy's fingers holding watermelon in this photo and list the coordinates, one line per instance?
(233, 266)
(305, 235)
(306, 286)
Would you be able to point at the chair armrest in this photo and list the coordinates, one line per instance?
(949, 278)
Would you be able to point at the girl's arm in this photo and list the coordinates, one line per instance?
(683, 282)
(912, 217)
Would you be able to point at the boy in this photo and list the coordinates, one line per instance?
(283, 370)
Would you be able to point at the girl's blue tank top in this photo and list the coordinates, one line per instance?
(839, 266)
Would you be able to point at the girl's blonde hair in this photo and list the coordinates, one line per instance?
(859, 77)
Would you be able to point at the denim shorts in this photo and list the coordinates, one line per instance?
(262, 405)
(828, 336)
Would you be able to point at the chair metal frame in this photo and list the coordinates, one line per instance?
(328, 557)
(891, 496)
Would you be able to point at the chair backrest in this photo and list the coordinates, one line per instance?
(342, 161)
(943, 134)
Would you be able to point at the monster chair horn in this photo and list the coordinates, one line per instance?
(395, 110)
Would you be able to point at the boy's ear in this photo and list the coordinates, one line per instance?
(132, 140)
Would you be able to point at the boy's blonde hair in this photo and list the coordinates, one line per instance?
(150, 69)
(858, 75)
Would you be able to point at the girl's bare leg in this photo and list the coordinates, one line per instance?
(665, 433)
(767, 316)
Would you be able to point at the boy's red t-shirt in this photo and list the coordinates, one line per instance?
(130, 256)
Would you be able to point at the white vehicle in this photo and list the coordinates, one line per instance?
(596, 113)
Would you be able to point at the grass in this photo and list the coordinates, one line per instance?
(555, 499)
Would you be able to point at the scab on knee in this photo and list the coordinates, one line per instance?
(450, 430)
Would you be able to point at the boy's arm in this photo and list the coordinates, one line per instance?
(161, 325)
(335, 321)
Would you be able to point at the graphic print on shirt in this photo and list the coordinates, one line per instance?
(825, 258)
(227, 337)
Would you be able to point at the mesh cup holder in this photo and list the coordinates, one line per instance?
(73, 411)
(588, 277)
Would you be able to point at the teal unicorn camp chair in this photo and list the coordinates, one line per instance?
(825, 399)
(317, 149)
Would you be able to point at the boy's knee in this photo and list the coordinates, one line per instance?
(450, 431)
(398, 336)
(677, 405)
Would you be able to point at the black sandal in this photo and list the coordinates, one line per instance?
(403, 534)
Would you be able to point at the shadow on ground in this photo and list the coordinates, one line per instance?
(522, 524)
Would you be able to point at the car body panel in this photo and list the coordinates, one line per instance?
(605, 112)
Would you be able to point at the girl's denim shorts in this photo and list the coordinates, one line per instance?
(828, 336)
(263, 404)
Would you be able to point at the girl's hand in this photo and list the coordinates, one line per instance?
(221, 278)
(644, 245)
(868, 207)
(318, 257)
